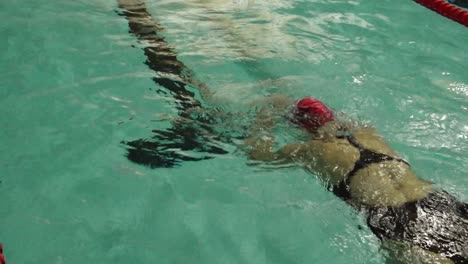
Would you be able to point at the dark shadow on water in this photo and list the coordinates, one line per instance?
(167, 148)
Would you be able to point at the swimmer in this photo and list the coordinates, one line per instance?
(411, 217)
(414, 220)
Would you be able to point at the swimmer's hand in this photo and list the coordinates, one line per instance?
(260, 147)
(260, 142)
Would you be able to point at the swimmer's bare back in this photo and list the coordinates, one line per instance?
(332, 158)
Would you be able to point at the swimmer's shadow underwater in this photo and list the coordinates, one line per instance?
(184, 141)
(168, 148)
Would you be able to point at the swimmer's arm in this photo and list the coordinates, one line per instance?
(161, 56)
(274, 104)
(262, 150)
(260, 145)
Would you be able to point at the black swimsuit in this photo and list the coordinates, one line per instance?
(437, 223)
(366, 157)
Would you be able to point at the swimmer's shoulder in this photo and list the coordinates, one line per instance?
(366, 136)
(369, 138)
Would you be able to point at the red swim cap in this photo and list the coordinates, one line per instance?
(311, 113)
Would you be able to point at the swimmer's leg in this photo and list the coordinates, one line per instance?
(402, 253)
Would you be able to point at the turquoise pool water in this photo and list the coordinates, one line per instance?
(72, 89)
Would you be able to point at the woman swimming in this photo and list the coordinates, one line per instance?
(415, 221)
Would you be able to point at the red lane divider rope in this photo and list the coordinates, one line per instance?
(2, 258)
(451, 11)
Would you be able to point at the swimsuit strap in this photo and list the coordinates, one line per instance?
(366, 157)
